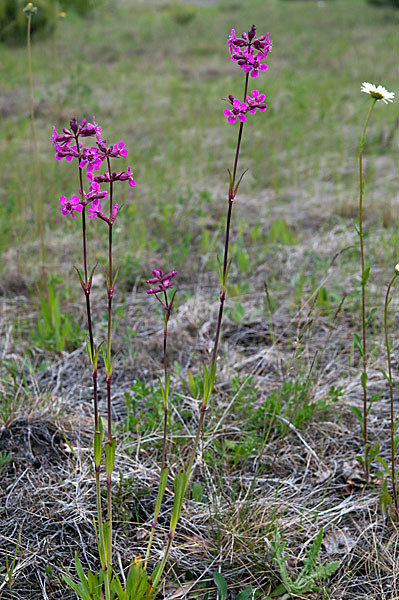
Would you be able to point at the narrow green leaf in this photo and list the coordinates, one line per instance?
(365, 276)
(161, 491)
(372, 451)
(192, 385)
(115, 277)
(363, 380)
(98, 440)
(76, 588)
(80, 572)
(238, 182)
(91, 274)
(221, 585)
(384, 463)
(82, 283)
(358, 343)
(110, 456)
(371, 315)
(118, 589)
(179, 491)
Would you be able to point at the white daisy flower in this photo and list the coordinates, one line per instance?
(377, 92)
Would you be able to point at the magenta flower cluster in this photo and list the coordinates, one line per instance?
(240, 109)
(69, 146)
(248, 52)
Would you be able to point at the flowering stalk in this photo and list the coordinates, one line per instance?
(162, 283)
(108, 370)
(364, 278)
(92, 158)
(376, 93)
(251, 64)
(389, 378)
(29, 11)
(248, 52)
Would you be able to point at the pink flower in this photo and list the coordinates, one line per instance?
(239, 109)
(231, 42)
(90, 158)
(96, 129)
(94, 209)
(256, 102)
(68, 206)
(132, 183)
(252, 64)
(120, 148)
(263, 44)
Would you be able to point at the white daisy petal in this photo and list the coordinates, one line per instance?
(377, 92)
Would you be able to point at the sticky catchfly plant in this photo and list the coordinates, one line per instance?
(162, 284)
(69, 145)
(248, 52)
(376, 94)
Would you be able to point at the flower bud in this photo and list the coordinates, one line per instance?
(251, 33)
(397, 268)
(73, 125)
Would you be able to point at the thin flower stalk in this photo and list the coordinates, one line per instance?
(108, 370)
(364, 279)
(390, 382)
(162, 282)
(29, 10)
(92, 352)
(377, 93)
(251, 43)
(248, 52)
(91, 159)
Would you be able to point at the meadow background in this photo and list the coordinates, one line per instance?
(280, 441)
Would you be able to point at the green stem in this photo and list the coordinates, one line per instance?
(388, 348)
(363, 285)
(39, 207)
